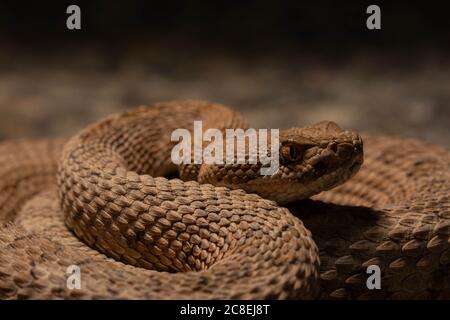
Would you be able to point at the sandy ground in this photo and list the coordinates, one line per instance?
(49, 94)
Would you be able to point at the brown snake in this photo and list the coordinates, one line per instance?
(100, 201)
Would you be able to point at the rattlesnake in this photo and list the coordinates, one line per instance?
(100, 201)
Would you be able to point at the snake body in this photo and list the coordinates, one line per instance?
(102, 201)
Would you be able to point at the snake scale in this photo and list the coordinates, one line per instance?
(105, 201)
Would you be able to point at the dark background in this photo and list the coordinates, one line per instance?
(241, 25)
(281, 63)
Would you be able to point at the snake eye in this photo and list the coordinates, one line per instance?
(291, 152)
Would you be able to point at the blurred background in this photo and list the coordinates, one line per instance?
(282, 64)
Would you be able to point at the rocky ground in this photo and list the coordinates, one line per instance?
(49, 93)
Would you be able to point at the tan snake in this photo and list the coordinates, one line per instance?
(100, 201)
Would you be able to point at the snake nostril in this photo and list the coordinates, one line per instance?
(333, 146)
(320, 167)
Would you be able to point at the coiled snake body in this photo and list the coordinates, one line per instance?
(100, 201)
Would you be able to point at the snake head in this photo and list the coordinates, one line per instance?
(312, 159)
